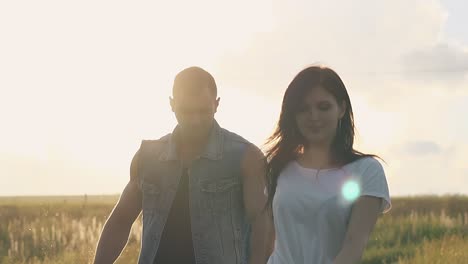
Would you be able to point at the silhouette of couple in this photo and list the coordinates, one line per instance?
(208, 196)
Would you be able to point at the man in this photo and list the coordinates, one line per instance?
(200, 189)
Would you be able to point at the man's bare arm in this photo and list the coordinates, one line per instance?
(115, 233)
(253, 167)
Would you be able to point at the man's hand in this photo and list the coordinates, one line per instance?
(254, 169)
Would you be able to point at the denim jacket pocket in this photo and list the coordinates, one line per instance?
(219, 193)
(219, 185)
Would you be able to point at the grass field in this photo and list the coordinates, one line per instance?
(66, 229)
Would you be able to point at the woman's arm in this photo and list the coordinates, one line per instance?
(364, 215)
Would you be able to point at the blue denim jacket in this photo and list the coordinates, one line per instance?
(220, 230)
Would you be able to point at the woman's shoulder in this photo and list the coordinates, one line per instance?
(364, 163)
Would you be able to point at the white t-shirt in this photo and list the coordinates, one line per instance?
(311, 211)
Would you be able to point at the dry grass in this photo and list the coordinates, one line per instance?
(58, 230)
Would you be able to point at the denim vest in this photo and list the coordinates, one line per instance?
(220, 231)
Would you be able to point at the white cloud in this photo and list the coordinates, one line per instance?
(443, 63)
(421, 148)
(356, 39)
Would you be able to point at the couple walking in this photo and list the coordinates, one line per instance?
(209, 196)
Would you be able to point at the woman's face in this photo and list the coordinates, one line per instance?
(318, 116)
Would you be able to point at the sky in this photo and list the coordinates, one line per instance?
(82, 83)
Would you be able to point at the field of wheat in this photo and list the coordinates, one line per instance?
(59, 230)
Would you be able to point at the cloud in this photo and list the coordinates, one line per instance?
(422, 148)
(442, 62)
(427, 167)
(362, 42)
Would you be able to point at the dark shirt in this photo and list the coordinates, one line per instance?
(176, 246)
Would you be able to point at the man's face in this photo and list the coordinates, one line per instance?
(195, 112)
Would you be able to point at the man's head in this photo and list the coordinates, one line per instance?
(194, 101)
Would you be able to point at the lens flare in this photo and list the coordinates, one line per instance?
(350, 190)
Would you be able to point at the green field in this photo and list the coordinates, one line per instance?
(56, 230)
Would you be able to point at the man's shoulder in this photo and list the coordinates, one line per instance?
(162, 140)
(232, 137)
(155, 143)
(235, 142)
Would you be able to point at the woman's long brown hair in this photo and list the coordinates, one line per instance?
(286, 142)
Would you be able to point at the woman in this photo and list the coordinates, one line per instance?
(325, 195)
